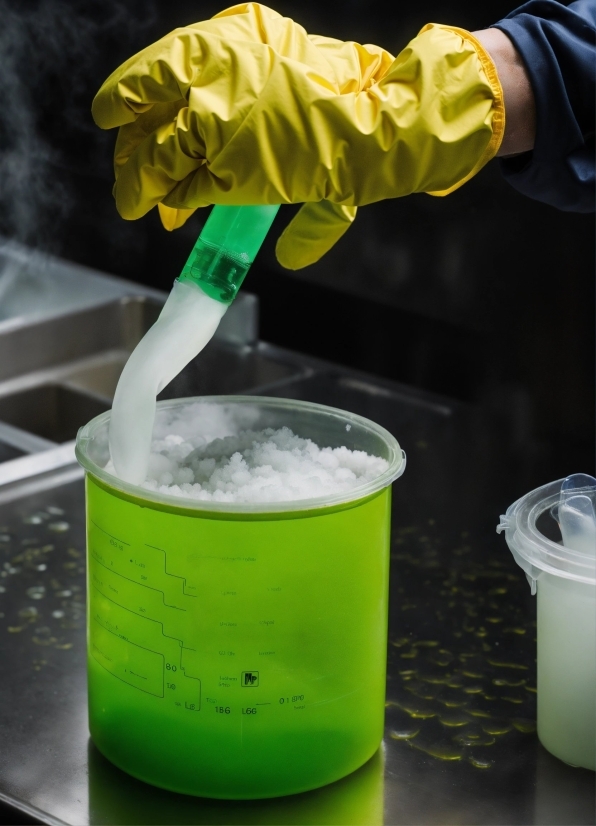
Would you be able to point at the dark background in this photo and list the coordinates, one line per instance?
(484, 296)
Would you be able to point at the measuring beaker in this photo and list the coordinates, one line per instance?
(564, 580)
(239, 650)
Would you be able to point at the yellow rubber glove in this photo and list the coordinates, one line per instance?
(247, 108)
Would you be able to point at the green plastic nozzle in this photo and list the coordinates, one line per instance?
(226, 248)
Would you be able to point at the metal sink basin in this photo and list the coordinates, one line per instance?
(384, 402)
(51, 411)
(8, 452)
(53, 343)
(58, 373)
(223, 369)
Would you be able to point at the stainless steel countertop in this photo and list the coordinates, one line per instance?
(460, 742)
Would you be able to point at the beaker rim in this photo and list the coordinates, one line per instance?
(345, 420)
(535, 552)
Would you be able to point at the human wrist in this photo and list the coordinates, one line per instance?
(520, 106)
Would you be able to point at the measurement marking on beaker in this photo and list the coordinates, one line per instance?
(128, 642)
(262, 704)
(97, 648)
(183, 578)
(230, 558)
(149, 619)
(135, 582)
(102, 623)
(109, 534)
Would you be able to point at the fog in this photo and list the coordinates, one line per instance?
(53, 55)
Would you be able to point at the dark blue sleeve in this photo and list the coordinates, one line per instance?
(558, 46)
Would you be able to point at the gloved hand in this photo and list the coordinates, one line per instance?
(247, 108)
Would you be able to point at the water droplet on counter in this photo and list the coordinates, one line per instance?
(2, 589)
(436, 679)
(4, 537)
(64, 646)
(510, 683)
(454, 720)
(65, 593)
(54, 511)
(58, 614)
(58, 527)
(516, 700)
(42, 640)
(29, 613)
(473, 689)
(479, 763)
(41, 567)
(418, 712)
(453, 703)
(35, 519)
(476, 712)
(439, 751)
(531, 688)
(474, 740)
(421, 691)
(404, 734)
(36, 592)
(523, 725)
(14, 629)
(500, 664)
(496, 728)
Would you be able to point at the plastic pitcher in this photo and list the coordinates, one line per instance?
(563, 575)
(239, 651)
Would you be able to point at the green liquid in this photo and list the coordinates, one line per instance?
(236, 657)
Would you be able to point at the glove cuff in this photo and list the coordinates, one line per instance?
(498, 113)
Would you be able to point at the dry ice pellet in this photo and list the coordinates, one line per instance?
(200, 453)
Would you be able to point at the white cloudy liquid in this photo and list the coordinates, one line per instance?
(567, 669)
(186, 324)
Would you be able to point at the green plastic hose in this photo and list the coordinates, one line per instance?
(226, 248)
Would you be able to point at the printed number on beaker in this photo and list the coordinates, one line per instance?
(170, 667)
(295, 699)
(222, 710)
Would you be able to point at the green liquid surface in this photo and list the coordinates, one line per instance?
(238, 658)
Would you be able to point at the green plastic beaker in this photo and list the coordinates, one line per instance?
(239, 650)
